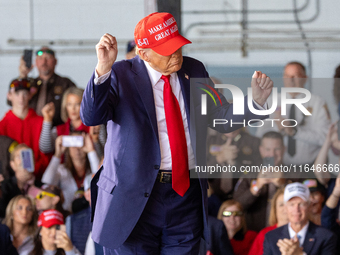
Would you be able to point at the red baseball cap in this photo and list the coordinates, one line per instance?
(49, 218)
(159, 32)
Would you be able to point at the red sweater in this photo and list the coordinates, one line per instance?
(26, 131)
(257, 247)
(64, 129)
(241, 243)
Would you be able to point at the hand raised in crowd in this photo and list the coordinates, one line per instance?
(107, 50)
(262, 86)
(23, 69)
(290, 246)
(59, 148)
(63, 241)
(336, 190)
(48, 112)
(94, 133)
(228, 153)
(88, 144)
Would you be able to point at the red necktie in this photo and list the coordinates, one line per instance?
(178, 143)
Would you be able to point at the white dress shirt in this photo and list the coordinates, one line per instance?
(157, 87)
(302, 233)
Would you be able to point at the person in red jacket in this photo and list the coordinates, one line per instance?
(22, 124)
(232, 215)
(277, 218)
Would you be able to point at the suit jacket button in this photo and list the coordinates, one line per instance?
(156, 167)
(146, 194)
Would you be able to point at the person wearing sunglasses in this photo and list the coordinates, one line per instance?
(232, 215)
(50, 197)
(48, 86)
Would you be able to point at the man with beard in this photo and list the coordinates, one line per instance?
(48, 87)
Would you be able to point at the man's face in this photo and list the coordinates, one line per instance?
(19, 98)
(297, 210)
(45, 64)
(271, 147)
(294, 77)
(165, 64)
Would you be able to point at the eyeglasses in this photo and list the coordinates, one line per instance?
(44, 193)
(21, 84)
(48, 51)
(230, 213)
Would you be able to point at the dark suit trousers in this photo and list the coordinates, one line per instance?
(170, 224)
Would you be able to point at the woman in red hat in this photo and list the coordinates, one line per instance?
(50, 237)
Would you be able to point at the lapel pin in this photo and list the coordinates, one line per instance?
(186, 76)
(311, 239)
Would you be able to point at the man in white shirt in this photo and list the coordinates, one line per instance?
(143, 200)
(303, 142)
(300, 236)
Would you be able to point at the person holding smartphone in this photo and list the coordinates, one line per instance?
(48, 86)
(79, 161)
(51, 237)
(70, 114)
(22, 124)
(22, 183)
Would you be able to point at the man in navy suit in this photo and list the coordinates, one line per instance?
(300, 236)
(143, 201)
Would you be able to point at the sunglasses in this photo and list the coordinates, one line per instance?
(44, 193)
(21, 84)
(40, 52)
(230, 213)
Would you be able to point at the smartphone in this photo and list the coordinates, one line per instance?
(73, 141)
(268, 161)
(59, 228)
(28, 58)
(27, 160)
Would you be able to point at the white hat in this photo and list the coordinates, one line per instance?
(296, 189)
(87, 182)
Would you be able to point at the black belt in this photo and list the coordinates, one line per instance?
(164, 176)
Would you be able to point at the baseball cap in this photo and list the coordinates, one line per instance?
(49, 218)
(159, 32)
(296, 189)
(314, 185)
(18, 84)
(43, 50)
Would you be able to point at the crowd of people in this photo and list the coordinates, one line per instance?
(47, 210)
(288, 205)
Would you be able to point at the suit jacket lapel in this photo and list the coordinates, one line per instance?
(285, 232)
(309, 239)
(144, 88)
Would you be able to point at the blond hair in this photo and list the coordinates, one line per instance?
(18, 147)
(74, 91)
(8, 220)
(272, 214)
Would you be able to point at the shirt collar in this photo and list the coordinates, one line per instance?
(155, 76)
(301, 233)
